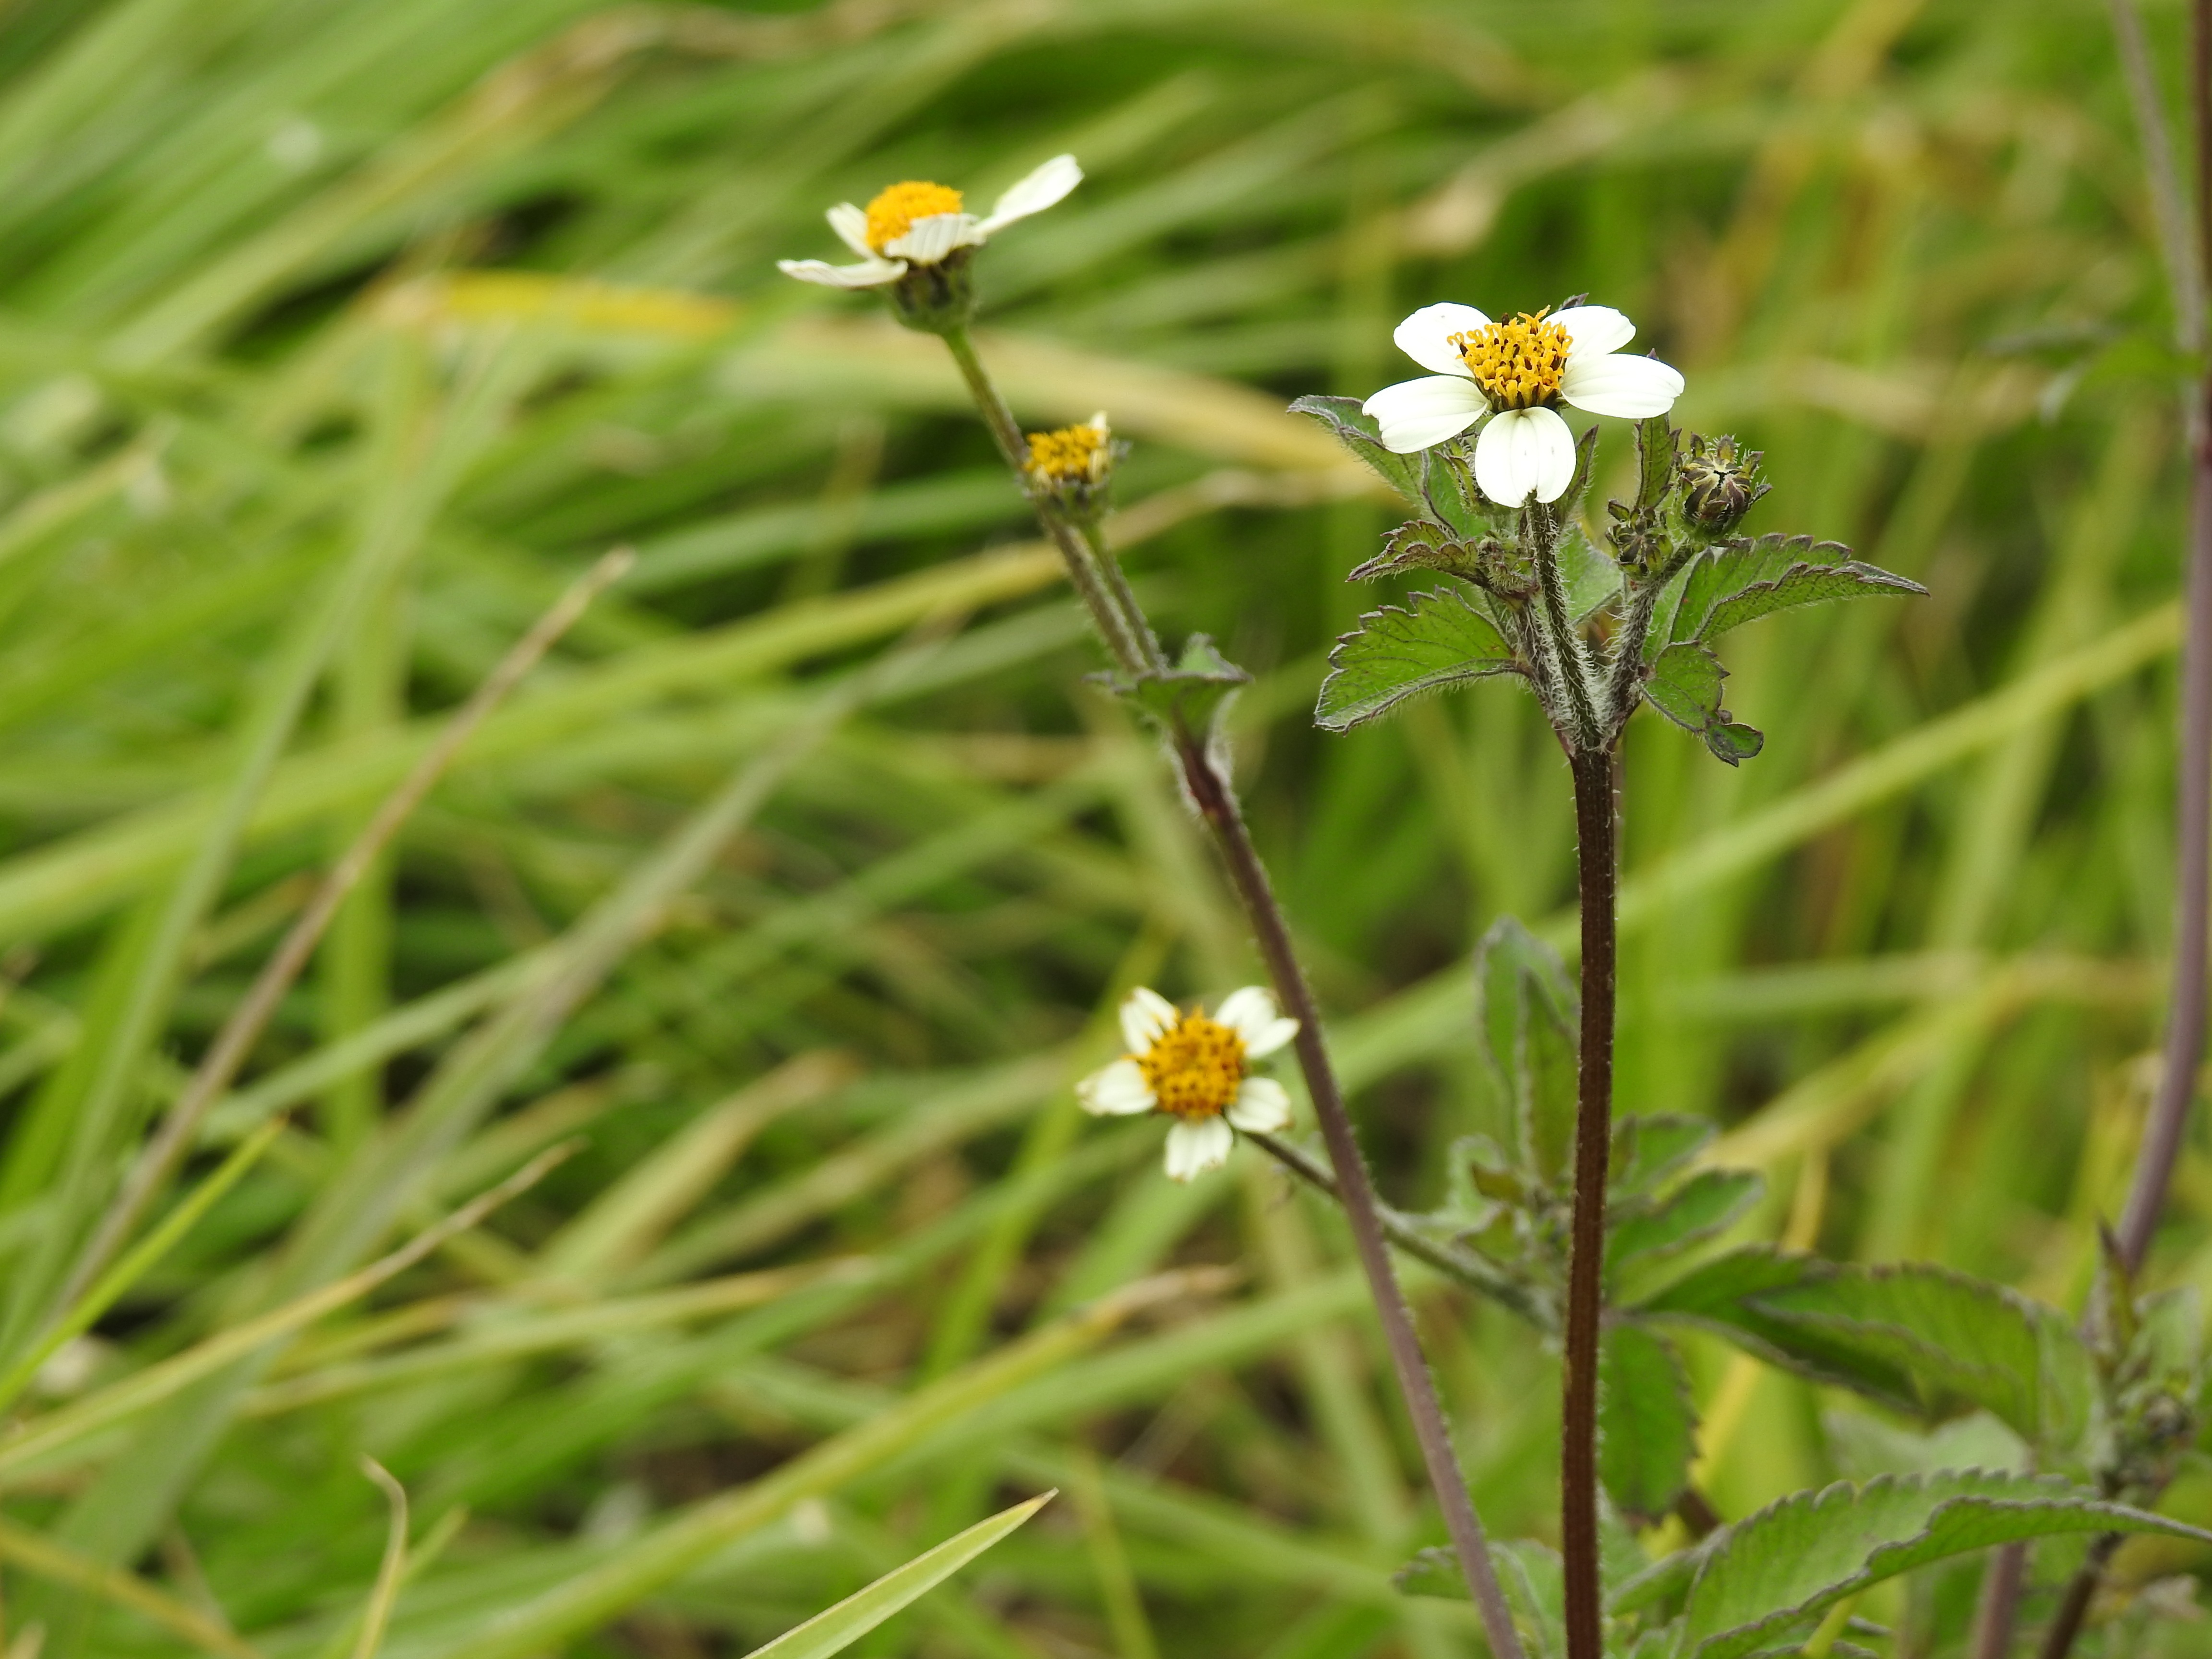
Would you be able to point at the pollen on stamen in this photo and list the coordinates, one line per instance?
(1194, 1068)
(1518, 364)
(1069, 454)
(893, 211)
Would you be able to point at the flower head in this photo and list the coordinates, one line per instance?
(916, 223)
(1517, 372)
(1071, 465)
(1720, 483)
(1197, 1070)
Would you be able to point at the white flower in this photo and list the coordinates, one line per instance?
(918, 223)
(1198, 1071)
(1517, 372)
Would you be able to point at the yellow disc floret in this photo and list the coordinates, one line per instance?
(1069, 455)
(893, 212)
(1194, 1068)
(1517, 363)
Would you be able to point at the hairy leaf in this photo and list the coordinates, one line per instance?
(1649, 1148)
(1530, 1573)
(1683, 682)
(2019, 1360)
(1701, 1206)
(1360, 434)
(1753, 1584)
(1527, 1011)
(1592, 579)
(1724, 1296)
(1417, 544)
(1442, 641)
(1647, 1430)
(1737, 582)
(1193, 692)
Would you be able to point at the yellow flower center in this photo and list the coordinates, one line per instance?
(893, 212)
(1069, 455)
(1518, 362)
(1195, 1066)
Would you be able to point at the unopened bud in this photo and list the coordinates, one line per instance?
(1719, 484)
(1072, 466)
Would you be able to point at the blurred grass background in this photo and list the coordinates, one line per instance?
(336, 339)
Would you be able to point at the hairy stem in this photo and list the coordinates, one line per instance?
(1217, 805)
(1573, 665)
(1596, 869)
(2058, 1640)
(1463, 1266)
(1124, 638)
(1140, 626)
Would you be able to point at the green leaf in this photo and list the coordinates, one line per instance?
(1656, 441)
(1683, 682)
(1530, 1573)
(1759, 1581)
(1723, 1296)
(1647, 1428)
(1418, 544)
(1528, 1012)
(1704, 1204)
(1193, 693)
(1592, 579)
(1959, 1336)
(1732, 583)
(838, 1628)
(1360, 434)
(1647, 1149)
(1442, 641)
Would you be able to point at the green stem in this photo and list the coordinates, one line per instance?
(1543, 535)
(1132, 612)
(1082, 569)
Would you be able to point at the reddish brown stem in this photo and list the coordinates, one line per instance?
(1596, 869)
(1217, 805)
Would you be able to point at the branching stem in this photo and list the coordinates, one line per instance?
(1125, 634)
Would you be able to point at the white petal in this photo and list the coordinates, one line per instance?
(1415, 414)
(930, 238)
(1195, 1148)
(1426, 337)
(1262, 1106)
(1524, 450)
(1633, 387)
(1593, 330)
(1144, 1015)
(1115, 1091)
(1043, 187)
(1251, 1014)
(874, 274)
(851, 225)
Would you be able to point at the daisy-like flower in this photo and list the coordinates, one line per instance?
(918, 223)
(1518, 372)
(1198, 1071)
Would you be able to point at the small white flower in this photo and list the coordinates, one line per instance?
(1517, 372)
(918, 223)
(1198, 1071)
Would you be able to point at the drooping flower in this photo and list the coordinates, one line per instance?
(1197, 1070)
(1517, 372)
(918, 223)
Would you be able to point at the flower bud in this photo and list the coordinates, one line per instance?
(1719, 484)
(936, 299)
(1072, 465)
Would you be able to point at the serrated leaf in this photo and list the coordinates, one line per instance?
(1417, 544)
(1591, 577)
(1647, 1428)
(838, 1627)
(1450, 495)
(1731, 584)
(1530, 1573)
(1441, 641)
(1723, 1295)
(1959, 1336)
(1701, 1206)
(1529, 1015)
(1360, 434)
(1656, 441)
(1683, 682)
(1774, 1572)
(1193, 693)
(1650, 1147)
